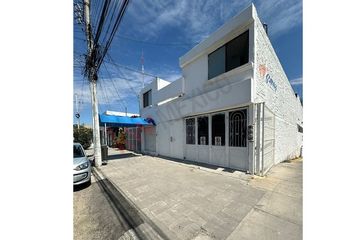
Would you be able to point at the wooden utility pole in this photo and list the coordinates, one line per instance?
(92, 76)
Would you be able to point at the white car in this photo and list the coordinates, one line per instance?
(82, 166)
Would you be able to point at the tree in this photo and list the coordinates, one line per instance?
(83, 136)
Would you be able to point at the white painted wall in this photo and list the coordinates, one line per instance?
(169, 91)
(282, 101)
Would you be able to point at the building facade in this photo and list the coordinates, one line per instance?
(233, 106)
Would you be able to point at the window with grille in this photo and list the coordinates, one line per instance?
(190, 131)
(238, 128)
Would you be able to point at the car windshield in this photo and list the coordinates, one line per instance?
(78, 152)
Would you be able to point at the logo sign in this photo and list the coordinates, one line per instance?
(267, 78)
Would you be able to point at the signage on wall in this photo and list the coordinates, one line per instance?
(267, 78)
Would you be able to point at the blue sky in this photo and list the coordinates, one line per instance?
(166, 30)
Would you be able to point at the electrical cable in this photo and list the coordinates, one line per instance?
(128, 68)
(124, 104)
(115, 28)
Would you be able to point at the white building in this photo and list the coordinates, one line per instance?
(233, 107)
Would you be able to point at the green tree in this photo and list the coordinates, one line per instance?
(83, 136)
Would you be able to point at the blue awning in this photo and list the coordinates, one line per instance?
(117, 121)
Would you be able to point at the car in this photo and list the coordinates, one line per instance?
(81, 166)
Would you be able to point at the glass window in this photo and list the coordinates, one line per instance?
(203, 131)
(78, 151)
(218, 129)
(238, 128)
(190, 131)
(216, 62)
(237, 52)
(232, 55)
(147, 99)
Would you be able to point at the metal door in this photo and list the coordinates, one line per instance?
(238, 149)
(218, 144)
(150, 139)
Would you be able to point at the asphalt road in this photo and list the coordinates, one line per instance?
(94, 215)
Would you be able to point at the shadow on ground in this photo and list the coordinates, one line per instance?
(120, 156)
(199, 164)
(81, 186)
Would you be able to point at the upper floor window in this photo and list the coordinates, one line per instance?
(147, 99)
(232, 55)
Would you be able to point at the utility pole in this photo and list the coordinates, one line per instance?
(92, 76)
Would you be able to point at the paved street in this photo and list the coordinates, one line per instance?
(180, 200)
(94, 215)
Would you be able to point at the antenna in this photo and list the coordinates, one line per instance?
(142, 67)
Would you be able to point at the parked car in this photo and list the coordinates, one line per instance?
(81, 166)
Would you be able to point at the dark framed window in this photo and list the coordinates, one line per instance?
(237, 52)
(190, 131)
(216, 62)
(238, 128)
(218, 129)
(231, 55)
(147, 99)
(203, 131)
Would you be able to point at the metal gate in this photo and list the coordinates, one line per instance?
(133, 140)
(238, 151)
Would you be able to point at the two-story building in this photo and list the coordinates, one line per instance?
(233, 106)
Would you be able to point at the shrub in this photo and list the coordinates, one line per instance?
(83, 136)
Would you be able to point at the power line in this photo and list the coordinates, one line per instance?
(114, 30)
(128, 68)
(110, 77)
(104, 94)
(127, 82)
(157, 43)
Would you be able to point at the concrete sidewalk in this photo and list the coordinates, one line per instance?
(278, 215)
(187, 201)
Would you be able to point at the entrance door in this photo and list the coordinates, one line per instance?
(218, 148)
(238, 150)
(190, 139)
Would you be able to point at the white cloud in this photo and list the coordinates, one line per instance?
(296, 81)
(199, 18)
(281, 15)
